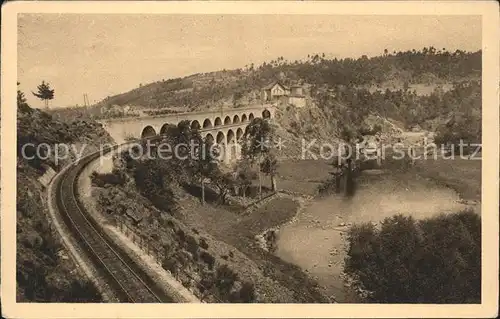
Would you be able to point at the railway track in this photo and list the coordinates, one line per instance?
(129, 282)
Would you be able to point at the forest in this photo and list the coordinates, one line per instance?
(412, 66)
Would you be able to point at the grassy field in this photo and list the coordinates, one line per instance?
(303, 176)
(462, 175)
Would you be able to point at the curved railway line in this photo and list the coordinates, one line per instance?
(127, 279)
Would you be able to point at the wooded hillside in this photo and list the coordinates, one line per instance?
(428, 65)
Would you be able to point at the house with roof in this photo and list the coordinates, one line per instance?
(274, 91)
(280, 93)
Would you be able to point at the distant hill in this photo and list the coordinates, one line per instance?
(240, 86)
(416, 87)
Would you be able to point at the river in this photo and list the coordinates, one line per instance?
(315, 240)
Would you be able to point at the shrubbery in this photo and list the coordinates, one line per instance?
(114, 178)
(435, 260)
(225, 278)
(246, 293)
(208, 259)
(192, 245)
(171, 265)
(203, 243)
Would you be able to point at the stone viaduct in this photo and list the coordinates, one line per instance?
(224, 126)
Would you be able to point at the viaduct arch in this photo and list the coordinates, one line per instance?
(225, 127)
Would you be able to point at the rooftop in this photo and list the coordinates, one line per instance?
(269, 86)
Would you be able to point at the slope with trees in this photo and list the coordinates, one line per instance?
(44, 271)
(412, 66)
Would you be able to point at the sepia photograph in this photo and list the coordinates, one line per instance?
(249, 153)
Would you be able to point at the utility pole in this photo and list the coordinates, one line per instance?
(86, 100)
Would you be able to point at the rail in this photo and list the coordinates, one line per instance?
(126, 277)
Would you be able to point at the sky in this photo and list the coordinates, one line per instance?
(107, 54)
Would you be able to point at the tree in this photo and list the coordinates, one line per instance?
(207, 165)
(435, 260)
(185, 144)
(45, 93)
(20, 96)
(224, 182)
(196, 160)
(22, 104)
(153, 178)
(258, 142)
(269, 166)
(244, 176)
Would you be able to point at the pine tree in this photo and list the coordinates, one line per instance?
(45, 93)
(22, 104)
(20, 96)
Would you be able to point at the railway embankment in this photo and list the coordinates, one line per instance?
(146, 261)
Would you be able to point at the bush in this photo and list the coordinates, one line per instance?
(247, 292)
(203, 243)
(207, 281)
(377, 128)
(192, 245)
(167, 248)
(208, 259)
(436, 260)
(183, 258)
(170, 264)
(114, 178)
(224, 279)
(169, 223)
(327, 187)
(82, 292)
(181, 235)
(365, 130)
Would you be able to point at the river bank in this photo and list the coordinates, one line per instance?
(315, 239)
